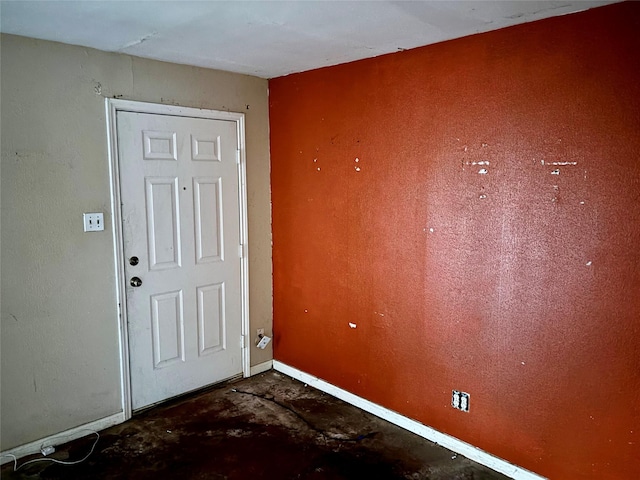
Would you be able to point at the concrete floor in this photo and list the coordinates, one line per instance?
(265, 427)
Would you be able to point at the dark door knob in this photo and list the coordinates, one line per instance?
(133, 261)
(135, 282)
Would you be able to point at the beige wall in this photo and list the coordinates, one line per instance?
(60, 353)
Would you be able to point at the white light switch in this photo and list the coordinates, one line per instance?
(93, 222)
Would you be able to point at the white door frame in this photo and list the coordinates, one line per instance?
(112, 106)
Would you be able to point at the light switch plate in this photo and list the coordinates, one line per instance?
(93, 222)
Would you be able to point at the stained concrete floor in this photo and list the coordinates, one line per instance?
(265, 427)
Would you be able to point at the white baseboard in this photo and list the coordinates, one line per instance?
(262, 367)
(62, 437)
(77, 432)
(447, 441)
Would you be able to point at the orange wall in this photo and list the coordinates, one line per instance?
(519, 286)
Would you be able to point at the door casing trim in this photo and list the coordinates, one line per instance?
(112, 107)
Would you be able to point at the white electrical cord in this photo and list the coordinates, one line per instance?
(15, 460)
(54, 460)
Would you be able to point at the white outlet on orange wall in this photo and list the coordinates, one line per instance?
(460, 400)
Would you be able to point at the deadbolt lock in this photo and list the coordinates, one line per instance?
(133, 261)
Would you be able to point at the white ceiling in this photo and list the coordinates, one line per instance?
(267, 38)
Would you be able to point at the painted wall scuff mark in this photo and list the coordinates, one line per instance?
(481, 162)
(561, 164)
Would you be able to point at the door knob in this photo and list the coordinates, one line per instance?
(135, 282)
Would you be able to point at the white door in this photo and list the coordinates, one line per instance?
(181, 232)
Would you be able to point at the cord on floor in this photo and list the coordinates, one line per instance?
(54, 460)
(323, 433)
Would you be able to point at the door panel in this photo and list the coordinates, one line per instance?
(207, 199)
(167, 328)
(211, 331)
(163, 222)
(181, 218)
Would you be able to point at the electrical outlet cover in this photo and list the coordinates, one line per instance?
(460, 400)
(464, 401)
(264, 341)
(455, 399)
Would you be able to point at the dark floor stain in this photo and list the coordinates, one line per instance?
(265, 427)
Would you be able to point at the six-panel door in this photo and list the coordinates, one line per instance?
(180, 213)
